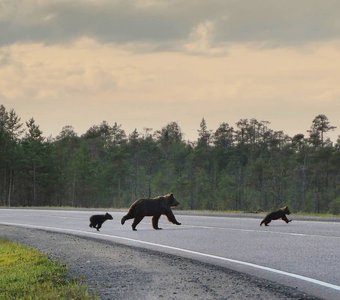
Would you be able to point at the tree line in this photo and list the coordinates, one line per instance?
(248, 167)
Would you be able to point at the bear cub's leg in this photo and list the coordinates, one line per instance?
(284, 218)
(99, 225)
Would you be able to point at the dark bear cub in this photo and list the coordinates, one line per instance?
(154, 207)
(96, 221)
(275, 215)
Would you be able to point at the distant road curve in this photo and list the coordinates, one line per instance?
(302, 254)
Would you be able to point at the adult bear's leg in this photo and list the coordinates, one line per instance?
(136, 222)
(126, 217)
(155, 220)
(172, 218)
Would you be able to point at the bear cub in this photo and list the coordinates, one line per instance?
(153, 207)
(96, 221)
(275, 215)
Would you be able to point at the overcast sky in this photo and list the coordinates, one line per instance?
(146, 63)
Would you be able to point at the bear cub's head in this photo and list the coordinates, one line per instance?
(285, 210)
(108, 216)
(171, 200)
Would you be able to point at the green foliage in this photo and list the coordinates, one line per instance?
(335, 206)
(246, 167)
(25, 273)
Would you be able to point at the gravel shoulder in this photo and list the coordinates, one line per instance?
(115, 271)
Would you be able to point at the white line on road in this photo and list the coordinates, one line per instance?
(292, 275)
(262, 231)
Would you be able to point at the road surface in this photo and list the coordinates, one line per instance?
(302, 254)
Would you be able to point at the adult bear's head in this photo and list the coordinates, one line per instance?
(171, 200)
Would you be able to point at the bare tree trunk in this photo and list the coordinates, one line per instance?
(149, 186)
(192, 187)
(240, 193)
(304, 184)
(10, 188)
(3, 194)
(136, 182)
(317, 202)
(73, 189)
(119, 197)
(34, 185)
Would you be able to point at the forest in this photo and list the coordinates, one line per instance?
(246, 167)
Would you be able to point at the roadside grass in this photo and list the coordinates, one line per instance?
(25, 273)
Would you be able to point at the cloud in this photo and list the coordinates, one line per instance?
(65, 21)
(201, 38)
(170, 22)
(5, 58)
(144, 63)
(88, 69)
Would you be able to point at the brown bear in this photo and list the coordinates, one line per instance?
(275, 215)
(154, 207)
(96, 221)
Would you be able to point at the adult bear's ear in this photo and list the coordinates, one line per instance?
(171, 195)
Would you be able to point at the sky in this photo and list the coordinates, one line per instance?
(147, 63)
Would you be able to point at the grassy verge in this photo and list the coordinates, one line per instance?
(25, 273)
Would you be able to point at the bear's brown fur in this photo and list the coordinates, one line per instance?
(96, 221)
(275, 215)
(154, 207)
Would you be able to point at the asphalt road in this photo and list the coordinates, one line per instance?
(302, 254)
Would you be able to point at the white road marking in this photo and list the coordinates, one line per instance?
(292, 275)
(262, 231)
